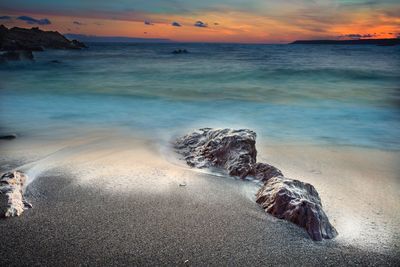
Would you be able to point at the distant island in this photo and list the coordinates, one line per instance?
(379, 42)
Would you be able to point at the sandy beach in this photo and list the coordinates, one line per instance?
(110, 198)
(199, 133)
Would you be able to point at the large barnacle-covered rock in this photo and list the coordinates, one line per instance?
(296, 202)
(232, 150)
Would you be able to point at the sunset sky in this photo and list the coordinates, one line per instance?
(245, 21)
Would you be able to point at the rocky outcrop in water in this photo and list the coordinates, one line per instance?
(180, 51)
(16, 55)
(234, 151)
(78, 44)
(34, 39)
(12, 202)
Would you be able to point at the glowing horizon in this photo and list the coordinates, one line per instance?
(252, 21)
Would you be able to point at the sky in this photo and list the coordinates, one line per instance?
(242, 21)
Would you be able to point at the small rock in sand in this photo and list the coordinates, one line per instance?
(27, 205)
(8, 136)
(12, 202)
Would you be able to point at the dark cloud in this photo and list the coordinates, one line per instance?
(200, 24)
(78, 23)
(357, 35)
(146, 22)
(352, 35)
(5, 18)
(393, 12)
(316, 29)
(31, 20)
(176, 24)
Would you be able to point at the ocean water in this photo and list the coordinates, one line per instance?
(325, 95)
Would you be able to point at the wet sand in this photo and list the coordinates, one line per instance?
(359, 187)
(122, 203)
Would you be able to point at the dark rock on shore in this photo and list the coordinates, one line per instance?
(34, 40)
(296, 202)
(12, 202)
(234, 151)
(263, 172)
(8, 136)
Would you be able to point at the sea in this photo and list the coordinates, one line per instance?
(311, 94)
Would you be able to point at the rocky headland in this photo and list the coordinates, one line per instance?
(377, 42)
(19, 43)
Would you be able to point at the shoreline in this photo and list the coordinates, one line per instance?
(74, 224)
(139, 176)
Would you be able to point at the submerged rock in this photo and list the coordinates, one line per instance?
(12, 202)
(296, 202)
(234, 151)
(180, 51)
(17, 55)
(79, 44)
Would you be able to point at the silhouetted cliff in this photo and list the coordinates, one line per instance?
(34, 40)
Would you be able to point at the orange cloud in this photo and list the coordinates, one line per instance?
(225, 25)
